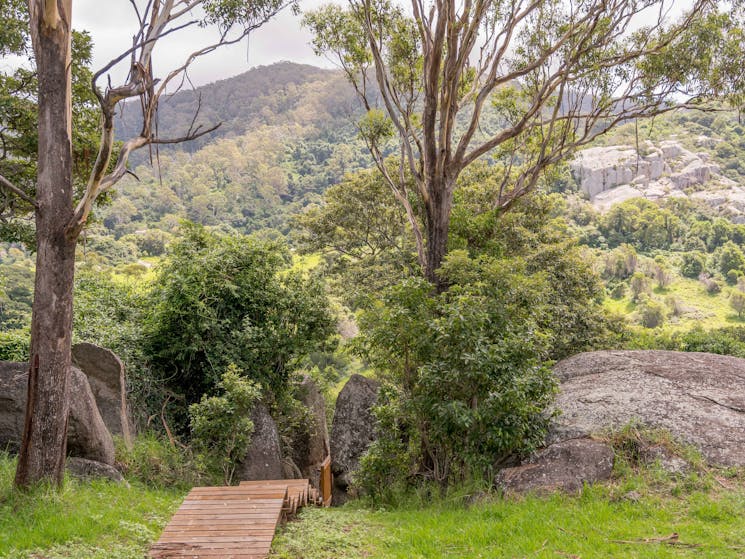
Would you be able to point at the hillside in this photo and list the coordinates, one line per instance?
(288, 133)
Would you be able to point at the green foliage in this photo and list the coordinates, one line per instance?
(18, 115)
(639, 285)
(470, 388)
(94, 519)
(156, 462)
(693, 264)
(15, 345)
(226, 299)
(364, 235)
(221, 426)
(651, 312)
(730, 257)
(737, 302)
(110, 312)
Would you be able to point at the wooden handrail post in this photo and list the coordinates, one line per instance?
(326, 482)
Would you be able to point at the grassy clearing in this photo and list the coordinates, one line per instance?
(97, 520)
(636, 517)
(700, 309)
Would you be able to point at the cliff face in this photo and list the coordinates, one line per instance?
(612, 174)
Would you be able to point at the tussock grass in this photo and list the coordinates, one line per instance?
(86, 520)
(643, 513)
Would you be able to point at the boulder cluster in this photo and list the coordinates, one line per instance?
(696, 398)
(612, 174)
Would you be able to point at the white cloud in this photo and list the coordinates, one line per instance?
(112, 24)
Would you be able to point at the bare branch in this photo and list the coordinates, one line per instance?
(6, 184)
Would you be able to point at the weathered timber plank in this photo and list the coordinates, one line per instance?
(230, 522)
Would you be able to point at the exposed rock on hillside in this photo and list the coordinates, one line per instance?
(105, 372)
(698, 397)
(566, 465)
(87, 469)
(313, 447)
(612, 174)
(352, 431)
(264, 456)
(87, 435)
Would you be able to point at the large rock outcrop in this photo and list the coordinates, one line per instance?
(612, 174)
(312, 448)
(698, 397)
(566, 466)
(352, 431)
(106, 376)
(264, 455)
(87, 435)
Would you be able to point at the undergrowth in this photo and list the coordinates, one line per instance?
(643, 512)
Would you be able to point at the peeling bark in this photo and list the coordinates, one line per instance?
(44, 442)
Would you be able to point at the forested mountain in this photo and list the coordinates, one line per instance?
(288, 132)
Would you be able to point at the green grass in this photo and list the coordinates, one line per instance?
(632, 516)
(708, 311)
(602, 522)
(100, 519)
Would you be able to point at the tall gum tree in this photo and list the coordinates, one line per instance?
(59, 217)
(522, 83)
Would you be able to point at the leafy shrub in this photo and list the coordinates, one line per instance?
(221, 425)
(14, 345)
(639, 284)
(156, 462)
(225, 299)
(651, 313)
(737, 302)
(470, 388)
(693, 264)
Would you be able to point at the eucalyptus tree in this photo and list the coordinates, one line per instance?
(522, 83)
(59, 216)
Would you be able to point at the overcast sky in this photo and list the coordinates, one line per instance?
(112, 23)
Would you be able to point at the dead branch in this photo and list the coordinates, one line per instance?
(159, 19)
(6, 184)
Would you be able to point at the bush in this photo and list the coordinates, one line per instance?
(14, 345)
(639, 285)
(470, 387)
(221, 426)
(651, 313)
(693, 264)
(226, 299)
(737, 302)
(156, 462)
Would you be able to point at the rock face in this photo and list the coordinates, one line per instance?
(698, 397)
(313, 447)
(352, 431)
(264, 456)
(87, 434)
(86, 469)
(106, 376)
(565, 466)
(612, 174)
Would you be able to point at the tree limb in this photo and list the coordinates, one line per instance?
(6, 184)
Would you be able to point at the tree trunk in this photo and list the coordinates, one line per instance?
(438, 225)
(44, 442)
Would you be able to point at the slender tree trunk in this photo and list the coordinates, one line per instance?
(44, 442)
(438, 226)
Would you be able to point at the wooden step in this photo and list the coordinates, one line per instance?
(236, 522)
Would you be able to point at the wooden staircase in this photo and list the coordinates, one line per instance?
(237, 522)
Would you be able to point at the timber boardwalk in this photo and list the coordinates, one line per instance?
(233, 522)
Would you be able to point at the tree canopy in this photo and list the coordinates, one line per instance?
(557, 74)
